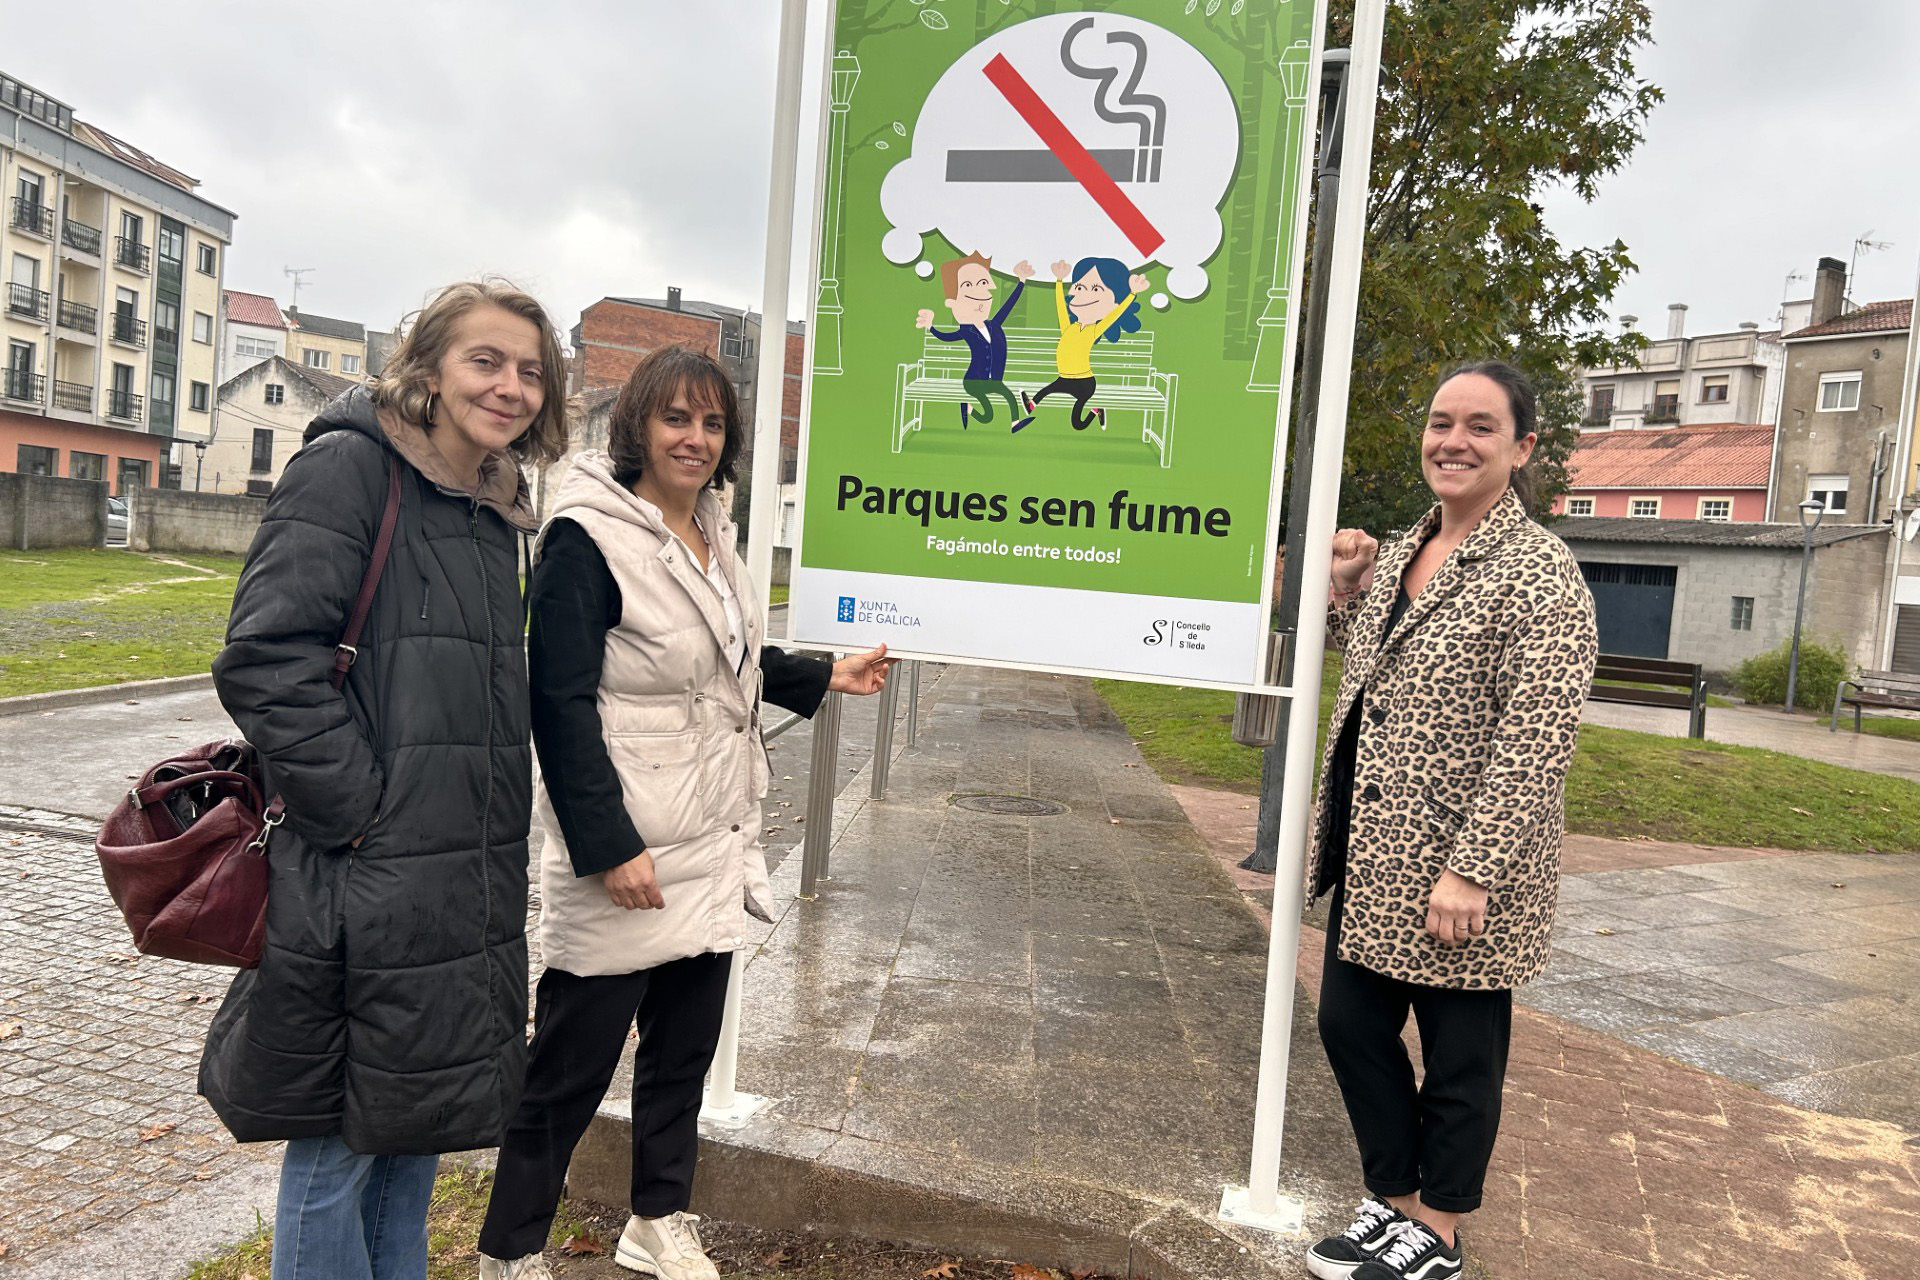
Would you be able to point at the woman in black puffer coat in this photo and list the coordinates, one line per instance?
(386, 1023)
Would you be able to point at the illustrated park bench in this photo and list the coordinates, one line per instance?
(1875, 689)
(1124, 370)
(1619, 677)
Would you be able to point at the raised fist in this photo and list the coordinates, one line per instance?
(924, 320)
(1139, 284)
(1061, 268)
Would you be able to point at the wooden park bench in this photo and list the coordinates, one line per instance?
(1621, 678)
(1875, 689)
(1124, 370)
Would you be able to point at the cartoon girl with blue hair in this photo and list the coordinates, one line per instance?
(1091, 309)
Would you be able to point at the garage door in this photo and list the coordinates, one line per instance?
(1634, 606)
(1906, 639)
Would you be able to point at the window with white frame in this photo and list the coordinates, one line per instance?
(317, 359)
(257, 347)
(202, 327)
(1830, 492)
(1579, 506)
(1643, 508)
(1719, 510)
(1839, 392)
(1742, 619)
(209, 259)
(349, 364)
(276, 393)
(197, 397)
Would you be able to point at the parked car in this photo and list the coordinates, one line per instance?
(116, 522)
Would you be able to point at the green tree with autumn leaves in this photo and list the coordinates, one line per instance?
(1484, 105)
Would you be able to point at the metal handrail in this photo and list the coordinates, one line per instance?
(125, 404)
(22, 384)
(131, 330)
(37, 218)
(131, 253)
(25, 300)
(78, 315)
(78, 235)
(77, 396)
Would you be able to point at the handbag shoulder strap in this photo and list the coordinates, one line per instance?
(344, 653)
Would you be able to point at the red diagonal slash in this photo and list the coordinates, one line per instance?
(1085, 169)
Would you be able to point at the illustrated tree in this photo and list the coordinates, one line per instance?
(1484, 105)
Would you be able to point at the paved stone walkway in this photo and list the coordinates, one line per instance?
(1618, 1161)
(1796, 735)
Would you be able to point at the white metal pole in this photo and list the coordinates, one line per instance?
(770, 395)
(1343, 303)
(722, 1102)
(1903, 460)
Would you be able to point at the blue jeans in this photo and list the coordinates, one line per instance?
(345, 1216)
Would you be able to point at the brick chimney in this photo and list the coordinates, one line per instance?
(1829, 290)
(1676, 319)
(673, 297)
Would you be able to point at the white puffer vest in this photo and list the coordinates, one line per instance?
(683, 729)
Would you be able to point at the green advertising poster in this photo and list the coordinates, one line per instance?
(1060, 246)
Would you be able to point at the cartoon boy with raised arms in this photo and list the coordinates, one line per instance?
(970, 284)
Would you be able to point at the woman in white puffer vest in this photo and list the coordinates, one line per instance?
(647, 677)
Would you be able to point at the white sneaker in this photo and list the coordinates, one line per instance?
(532, 1267)
(667, 1247)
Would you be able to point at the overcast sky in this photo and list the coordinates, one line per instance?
(596, 147)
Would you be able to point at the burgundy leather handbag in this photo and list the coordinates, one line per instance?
(184, 852)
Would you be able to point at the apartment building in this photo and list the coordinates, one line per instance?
(329, 345)
(112, 265)
(1713, 378)
(254, 330)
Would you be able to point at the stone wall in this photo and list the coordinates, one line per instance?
(42, 512)
(176, 520)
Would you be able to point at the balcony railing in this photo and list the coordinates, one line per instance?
(78, 235)
(77, 396)
(125, 404)
(25, 300)
(79, 316)
(24, 384)
(129, 329)
(131, 253)
(36, 219)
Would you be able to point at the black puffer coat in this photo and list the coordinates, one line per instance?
(390, 1007)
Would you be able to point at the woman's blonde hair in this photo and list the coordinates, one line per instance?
(403, 384)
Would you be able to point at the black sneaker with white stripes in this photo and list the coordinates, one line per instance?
(1415, 1253)
(1374, 1225)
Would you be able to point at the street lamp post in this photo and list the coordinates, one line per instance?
(199, 462)
(1816, 508)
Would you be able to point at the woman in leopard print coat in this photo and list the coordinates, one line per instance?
(1470, 646)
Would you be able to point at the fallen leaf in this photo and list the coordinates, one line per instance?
(1113, 821)
(203, 1175)
(1021, 1271)
(1838, 884)
(183, 717)
(778, 1258)
(945, 1271)
(579, 1245)
(8, 1030)
(1603, 933)
(1805, 813)
(3, 1248)
(158, 1131)
(1081, 1273)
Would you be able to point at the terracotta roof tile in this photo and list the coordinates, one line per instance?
(253, 308)
(1721, 456)
(1875, 317)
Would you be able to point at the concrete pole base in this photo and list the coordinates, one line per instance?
(1236, 1206)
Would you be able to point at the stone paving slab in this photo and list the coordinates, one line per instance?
(1035, 1036)
(1654, 1159)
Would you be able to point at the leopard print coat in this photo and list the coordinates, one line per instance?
(1469, 715)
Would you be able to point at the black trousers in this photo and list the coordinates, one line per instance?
(1435, 1138)
(580, 1026)
(1081, 389)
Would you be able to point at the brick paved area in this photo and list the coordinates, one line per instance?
(98, 1117)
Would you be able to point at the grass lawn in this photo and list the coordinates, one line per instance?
(776, 594)
(74, 618)
(1622, 785)
(1886, 727)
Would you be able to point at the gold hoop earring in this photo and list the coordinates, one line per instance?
(427, 417)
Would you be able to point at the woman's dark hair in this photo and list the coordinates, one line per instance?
(650, 390)
(1522, 402)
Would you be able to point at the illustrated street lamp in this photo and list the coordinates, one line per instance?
(1816, 508)
(827, 308)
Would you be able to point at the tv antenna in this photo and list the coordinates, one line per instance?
(1863, 243)
(297, 272)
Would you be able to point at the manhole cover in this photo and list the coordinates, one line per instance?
(1010, 806)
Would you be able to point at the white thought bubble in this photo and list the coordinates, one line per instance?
(1132, 99)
